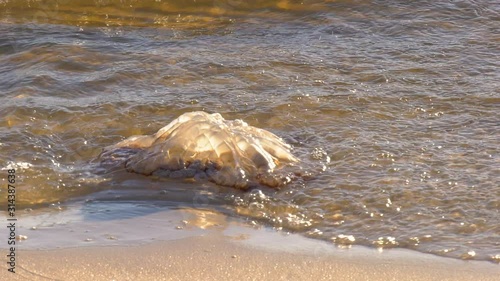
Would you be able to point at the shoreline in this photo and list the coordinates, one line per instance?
(207, 245)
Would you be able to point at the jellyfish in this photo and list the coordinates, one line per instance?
(205, 146)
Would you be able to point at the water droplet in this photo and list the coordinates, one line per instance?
(386, 241)
(496, 258)
(469, 255)
(21, 237)
(343, 239)
(315, 232)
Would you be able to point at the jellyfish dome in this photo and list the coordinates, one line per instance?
(206, 146)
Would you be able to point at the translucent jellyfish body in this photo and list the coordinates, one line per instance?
(206, 146)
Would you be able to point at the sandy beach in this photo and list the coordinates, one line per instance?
(205, 245)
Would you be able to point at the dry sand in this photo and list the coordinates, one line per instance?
(218, 248)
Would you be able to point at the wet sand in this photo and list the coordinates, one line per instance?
(209, 246)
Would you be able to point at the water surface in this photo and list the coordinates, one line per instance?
(394, 106)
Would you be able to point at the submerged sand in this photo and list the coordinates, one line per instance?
(206, 245)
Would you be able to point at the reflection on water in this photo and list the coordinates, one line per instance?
(396, 101)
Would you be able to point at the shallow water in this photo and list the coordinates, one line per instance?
(394, 106)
